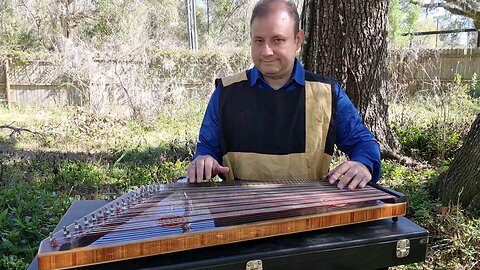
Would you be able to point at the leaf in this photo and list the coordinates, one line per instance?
(7, 243)
(3, 215)
(20, 222)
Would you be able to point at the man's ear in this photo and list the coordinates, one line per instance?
(299, 39)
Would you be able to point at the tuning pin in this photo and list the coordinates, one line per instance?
(77, 226)
(66, 233)
(99, 216)
(85, 222)
(93, 219)
(124, 205)
(134, 199)
(53, 241)
(118, 207)
(112, 210)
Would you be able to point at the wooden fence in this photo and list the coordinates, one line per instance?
(44, 83)
(430, 69)
(38, 83)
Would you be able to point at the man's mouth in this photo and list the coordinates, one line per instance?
(268, 61)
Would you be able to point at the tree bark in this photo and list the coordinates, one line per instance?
(192, 25)
(347, 41)
(461, 183)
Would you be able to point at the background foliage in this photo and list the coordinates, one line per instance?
(89, 153)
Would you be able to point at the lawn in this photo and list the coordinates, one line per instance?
(51, 157)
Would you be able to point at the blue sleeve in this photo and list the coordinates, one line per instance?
(209, 137)
(352, 136)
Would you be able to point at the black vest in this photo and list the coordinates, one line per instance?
(277, 135)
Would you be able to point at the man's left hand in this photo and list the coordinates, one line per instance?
(351, 173)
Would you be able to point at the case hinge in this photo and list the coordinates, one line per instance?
(254, 265)
(403, 248)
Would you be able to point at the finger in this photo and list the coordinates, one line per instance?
(339, 170)
(337, 173)
(343, 181)
(364, 182)
(221, 169)
(200, 167)
(191, 172)
(218, 169)
(209, 163)
(329, 173)
(348, 176)
(335, 177)
(355, 182)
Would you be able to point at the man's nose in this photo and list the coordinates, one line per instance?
(267, 49)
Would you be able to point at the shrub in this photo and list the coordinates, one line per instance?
(431, 141)
(474, 87)
(28, 213)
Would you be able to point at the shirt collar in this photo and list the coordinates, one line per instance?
(298, 75)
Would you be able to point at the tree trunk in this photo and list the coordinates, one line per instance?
(192, 25)
(461, 183)
(347, 41)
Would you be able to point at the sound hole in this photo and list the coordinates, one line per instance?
(172, 221)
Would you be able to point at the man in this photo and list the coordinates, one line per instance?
(277, 121)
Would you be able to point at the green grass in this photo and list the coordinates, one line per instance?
(431, 129)
(81, 155)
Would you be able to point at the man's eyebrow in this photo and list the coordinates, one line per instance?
(277, 36)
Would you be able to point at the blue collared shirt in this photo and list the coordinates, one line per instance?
(352, 137)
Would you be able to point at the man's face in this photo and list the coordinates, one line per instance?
(274, 44)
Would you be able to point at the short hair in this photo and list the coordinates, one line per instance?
(263, 8)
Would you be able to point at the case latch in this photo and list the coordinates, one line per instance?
(403, 248)
(254, 265)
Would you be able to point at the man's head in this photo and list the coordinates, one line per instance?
(275, 38)
(263, 7)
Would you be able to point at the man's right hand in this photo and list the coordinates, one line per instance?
(204, 167)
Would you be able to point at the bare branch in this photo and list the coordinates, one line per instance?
(230, 14)
(465, 8)
(18, 130)
(134, 108)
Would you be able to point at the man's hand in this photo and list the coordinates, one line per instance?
(350, 172)
(204, 167)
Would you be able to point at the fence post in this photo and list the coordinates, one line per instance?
(7, 85)
(478, 38)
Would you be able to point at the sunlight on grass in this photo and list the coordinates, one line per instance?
(78, 154)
